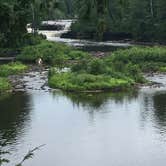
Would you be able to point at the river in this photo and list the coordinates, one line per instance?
(88, 45)
(86, 129)
(98, 129)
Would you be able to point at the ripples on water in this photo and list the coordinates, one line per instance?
(86, 129)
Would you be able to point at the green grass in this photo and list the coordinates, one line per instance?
(4, 85)
(147, 58)
(141, 54)
(87, 82)
(12, 68)
(119, 71)
(162, 69)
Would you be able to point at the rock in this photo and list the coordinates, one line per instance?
(53, 27)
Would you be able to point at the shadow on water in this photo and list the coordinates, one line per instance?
(153, 109)
(118, 117)
(159, 104)
(14, 115)
(95, 101)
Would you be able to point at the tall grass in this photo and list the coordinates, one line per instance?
(12, 68)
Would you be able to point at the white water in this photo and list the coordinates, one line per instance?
(56, 36)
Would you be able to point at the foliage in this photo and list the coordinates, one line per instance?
(106, 66)
(13, 20)
(123, 68)
(87, 82)
(16, 14)
(147, 58)
(162, 69)
(4, 85)
(51, 52)
(12, 68)
(144, 20)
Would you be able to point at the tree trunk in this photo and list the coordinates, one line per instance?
(151, 8)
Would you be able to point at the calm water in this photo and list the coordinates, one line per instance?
(86, 130)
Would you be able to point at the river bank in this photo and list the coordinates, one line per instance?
(117, 70)
(36, 79)
(121, 70)
(85, 123)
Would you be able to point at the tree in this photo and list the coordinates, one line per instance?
(13, 18)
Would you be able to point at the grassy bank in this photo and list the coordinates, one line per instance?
(11, 69)
(148, 59)
(120, 70)
(4, 85)
(87, 82)
(7, 70)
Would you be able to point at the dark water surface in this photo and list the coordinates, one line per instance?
(86, 129)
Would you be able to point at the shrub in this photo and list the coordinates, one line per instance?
(77, 55)
(12, 68)
(140, 55)
(96, 66)
(134, 72)
(31, 39)
(87, 82)
(147, 59)
(51, 52)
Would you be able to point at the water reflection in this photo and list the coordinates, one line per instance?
(96, 101)
(153, 112)
(98, 125)
(14, 115)
(159, 104)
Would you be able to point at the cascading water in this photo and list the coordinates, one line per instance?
(88, 44)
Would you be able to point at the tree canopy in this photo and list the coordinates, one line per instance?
(144, 20)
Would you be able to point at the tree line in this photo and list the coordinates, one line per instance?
(144, 20)
(16, 14)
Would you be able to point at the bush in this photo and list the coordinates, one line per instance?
(32, 39)
(96, 66)
(116, 70)
(77, 55)
(12, 68)
(147, 59)
(140, 55)
(87, 82)
(91, 65)
(50, 52)
(120, 70)
(134, 72)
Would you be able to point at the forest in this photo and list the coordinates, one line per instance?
(97, 19)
